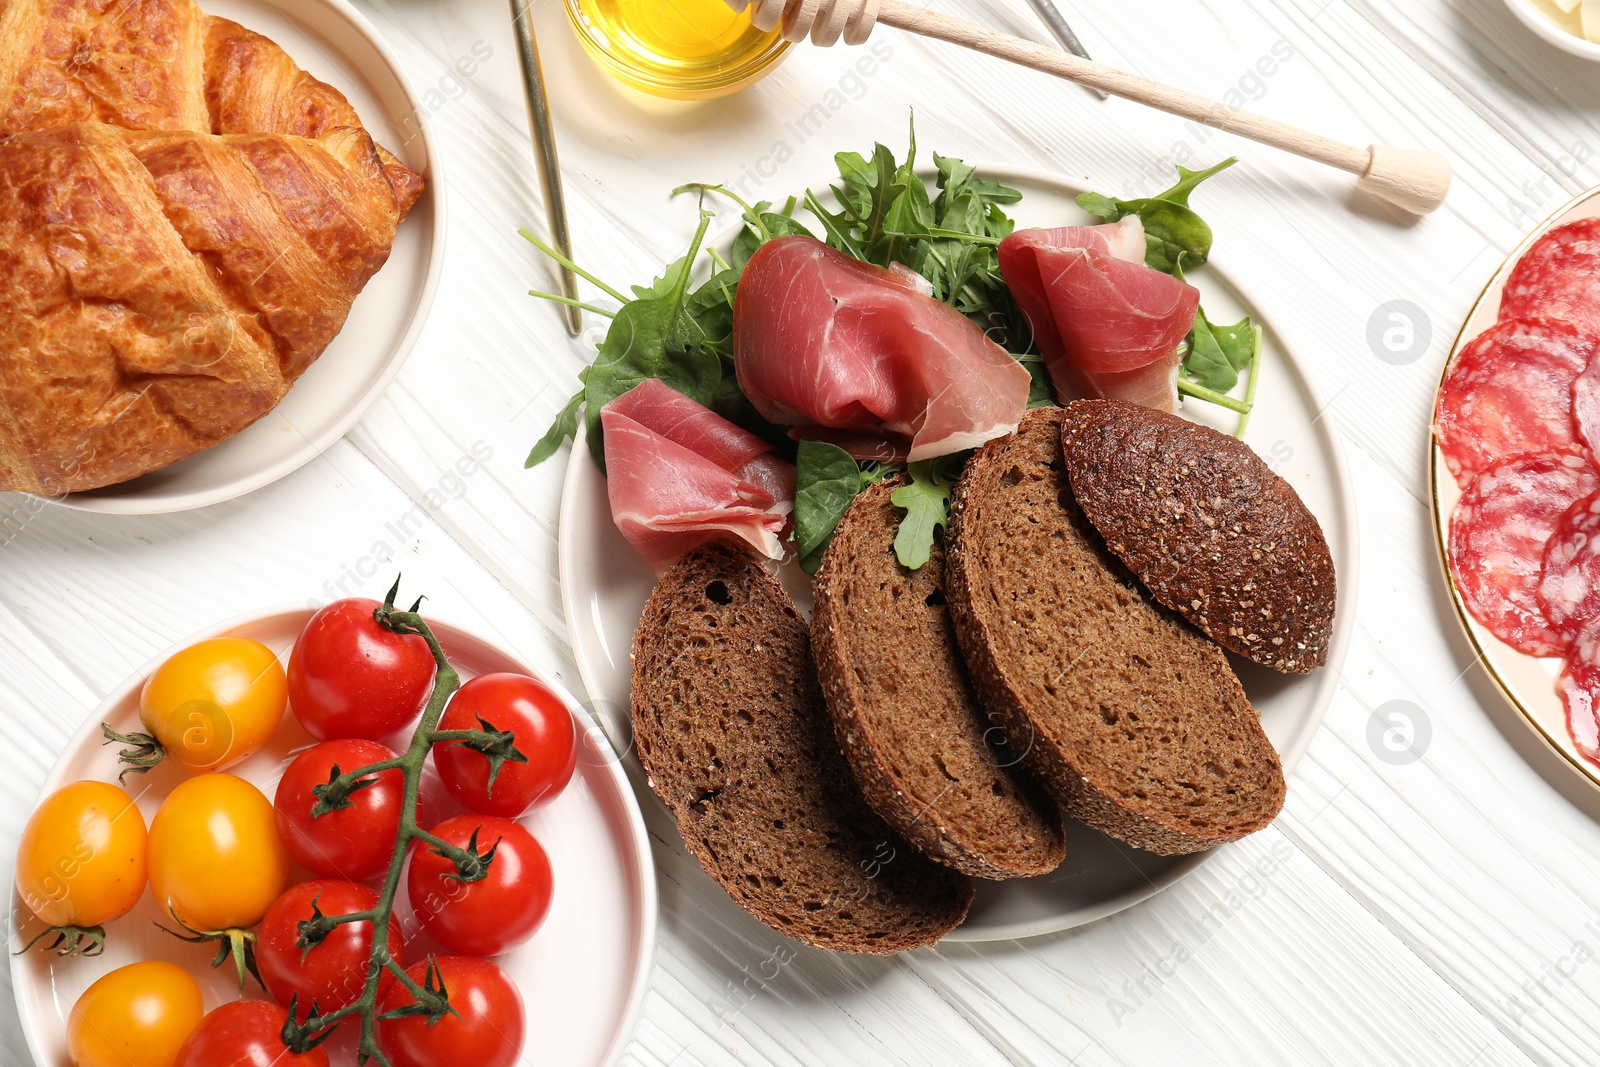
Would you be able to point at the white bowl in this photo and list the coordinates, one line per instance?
(1546, 20)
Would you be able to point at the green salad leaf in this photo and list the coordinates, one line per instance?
(1174, 235)
(650, 337)
(886, 215)
(1218, 353)
(564, 429)
(926, 500)
(827, 479)
(883, 213)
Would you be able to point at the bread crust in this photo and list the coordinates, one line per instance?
(1212, 531)
(982, 815)
(735, 738)
(1135, 722)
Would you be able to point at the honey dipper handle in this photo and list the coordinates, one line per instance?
(1413, 179)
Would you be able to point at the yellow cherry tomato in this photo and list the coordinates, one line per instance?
(136, 1016)
(215, 703)
(82, 857)
(216, 861)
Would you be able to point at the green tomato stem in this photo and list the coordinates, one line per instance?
(344, 785)
(410, 763)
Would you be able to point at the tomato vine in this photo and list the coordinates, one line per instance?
(431, 998)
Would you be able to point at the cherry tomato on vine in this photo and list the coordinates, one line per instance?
(244, 1033)
(215, 859)
(350, 677)
(543, 732)
(355, 841)
(485, 1031)
(83, 854)
(135, 1016)
(215, 703)
(333, 971)
(494, 914)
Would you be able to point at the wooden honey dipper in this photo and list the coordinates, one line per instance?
(1410, 178)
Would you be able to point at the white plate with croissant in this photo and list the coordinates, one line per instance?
(218, 242)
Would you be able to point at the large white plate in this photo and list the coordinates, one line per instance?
(605, 585)
(1528, 682)
(583, 976)
(336, 43)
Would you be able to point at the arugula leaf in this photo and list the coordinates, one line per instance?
(661, 333)
(926, 500)
(649, 338)
(760, 227)
(1041, 392)
(827, 480)
(1173, 232)
(565, 427)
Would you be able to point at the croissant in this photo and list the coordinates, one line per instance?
(186, 217)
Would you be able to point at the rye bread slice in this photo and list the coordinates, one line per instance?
(1208, 527)
(732, 730)
(1134, 721)
(912, 729)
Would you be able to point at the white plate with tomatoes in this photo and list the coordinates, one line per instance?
(581, 976)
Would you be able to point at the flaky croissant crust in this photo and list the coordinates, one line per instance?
(186, 217)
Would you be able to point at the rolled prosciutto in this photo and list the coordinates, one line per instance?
(1107, 325)
(861, 356)
(678, 475)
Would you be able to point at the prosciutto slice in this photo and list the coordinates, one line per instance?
(679, 474)
(1106, 324)
(861, 356)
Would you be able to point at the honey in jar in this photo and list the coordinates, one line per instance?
(684, 49)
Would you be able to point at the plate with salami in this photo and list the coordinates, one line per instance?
(1515, 484)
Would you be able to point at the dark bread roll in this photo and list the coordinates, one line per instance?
(731, 727)
(914, 732)
(1133, 720)
(1208, 527)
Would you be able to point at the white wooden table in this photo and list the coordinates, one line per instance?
(1440, 911)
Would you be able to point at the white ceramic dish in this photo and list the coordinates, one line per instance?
(1548, 21)
(605, 585)
(584, 975)
(1528, 682)
(336, 43)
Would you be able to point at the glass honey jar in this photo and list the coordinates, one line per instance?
(682, 49)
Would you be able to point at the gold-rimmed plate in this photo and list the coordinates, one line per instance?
(1527, 682)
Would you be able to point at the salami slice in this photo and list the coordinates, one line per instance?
(1498, 535)
(1586, 406)
(1558, 278)
(1579, 686)
(1569, 584)
(1509, 391)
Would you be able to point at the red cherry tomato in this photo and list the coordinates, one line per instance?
(485, 1031)
(494, 914)
(544, 733)
(349, 677)
(333, 972)
(244, 1033)
(353, 842)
